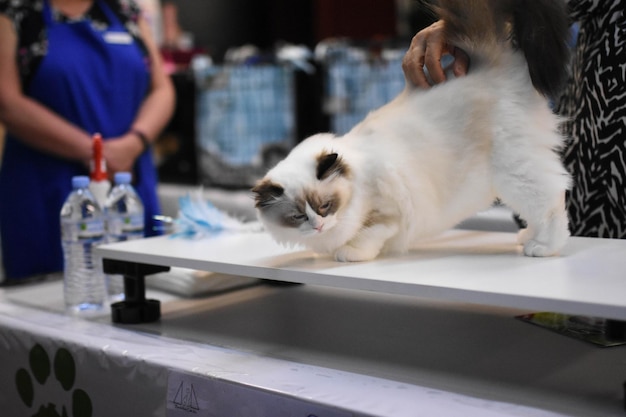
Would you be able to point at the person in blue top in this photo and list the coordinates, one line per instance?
(69, 69)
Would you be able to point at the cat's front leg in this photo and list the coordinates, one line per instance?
(349, 253)
(367, 244)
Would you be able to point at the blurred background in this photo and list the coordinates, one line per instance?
(254, 77)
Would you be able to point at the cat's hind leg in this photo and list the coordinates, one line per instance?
(367, 244)
(537, 194)
(547, 230)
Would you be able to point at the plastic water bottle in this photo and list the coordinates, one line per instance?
(82, 228)
(125, 221)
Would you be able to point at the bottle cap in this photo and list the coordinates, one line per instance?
(122, 177)
(98, 164)
(80, 181)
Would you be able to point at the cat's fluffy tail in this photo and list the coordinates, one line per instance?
(538, 28)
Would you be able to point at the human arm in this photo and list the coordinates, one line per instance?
(427, 48)
(153, 115)
(27, 119)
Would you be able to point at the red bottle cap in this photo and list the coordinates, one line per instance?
(98, 164)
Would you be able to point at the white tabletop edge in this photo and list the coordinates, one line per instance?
(586, 280)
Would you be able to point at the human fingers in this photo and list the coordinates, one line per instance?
(422, 62)
(119, 154)
(435, 48)
(461, 62)
(413, 62)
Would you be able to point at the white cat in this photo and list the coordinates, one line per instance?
(431, 158)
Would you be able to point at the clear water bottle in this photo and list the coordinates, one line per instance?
(82, 228)
(125, 221)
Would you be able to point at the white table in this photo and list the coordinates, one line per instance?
(309, 351)
(430, 333)
(487, 268)
(460, 274)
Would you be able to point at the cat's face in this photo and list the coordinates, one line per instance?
(305, 203)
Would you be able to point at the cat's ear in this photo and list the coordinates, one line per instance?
(266, 192)
(329, 164)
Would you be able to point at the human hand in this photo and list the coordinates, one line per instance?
(422, 63)
(121, 152)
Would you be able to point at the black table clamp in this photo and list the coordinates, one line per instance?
(135, 308)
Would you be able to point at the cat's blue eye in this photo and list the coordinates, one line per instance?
(299, 217)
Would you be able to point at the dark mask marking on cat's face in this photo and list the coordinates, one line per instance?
(285, 212)
(330, 164)
(293, 213)
(292, 217)
(323, 205)
(266, 193)
(289, 211)
(270, 198)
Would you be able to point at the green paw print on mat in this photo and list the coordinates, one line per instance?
(64, 368)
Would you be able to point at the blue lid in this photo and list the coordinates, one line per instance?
(122, 177)
(80, 181)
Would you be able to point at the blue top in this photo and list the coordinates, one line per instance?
(96, 78)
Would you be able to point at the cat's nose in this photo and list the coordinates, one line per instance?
(319, 227)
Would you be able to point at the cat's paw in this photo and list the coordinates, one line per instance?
(349, 253)
(538, 249)
(546, 242)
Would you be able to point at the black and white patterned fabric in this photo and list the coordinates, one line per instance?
(594, 105)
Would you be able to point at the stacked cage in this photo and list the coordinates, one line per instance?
(359, 80)
(246, 116)
(245, 121)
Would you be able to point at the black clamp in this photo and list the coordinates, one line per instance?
(135, 308)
